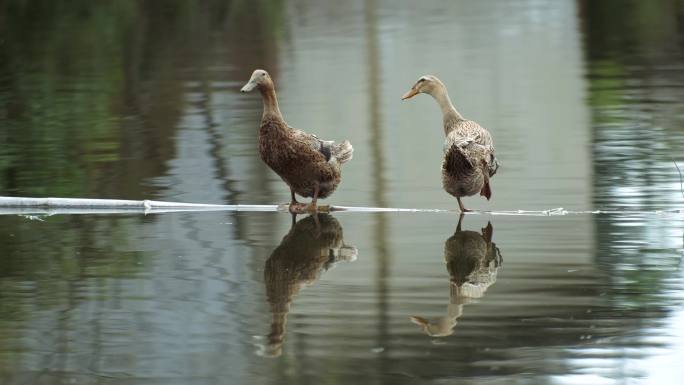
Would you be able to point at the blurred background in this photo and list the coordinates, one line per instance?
(140, 100)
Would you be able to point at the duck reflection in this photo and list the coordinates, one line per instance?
(312, 246)
(472, 260)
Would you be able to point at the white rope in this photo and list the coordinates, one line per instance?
(53, 206)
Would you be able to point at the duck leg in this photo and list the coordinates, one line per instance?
(460, 219)
(313, 207)
(295, 206)
(460, 205)
(317, 230)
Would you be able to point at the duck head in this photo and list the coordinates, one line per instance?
(427, 84)
(438, 327)
(260, 79)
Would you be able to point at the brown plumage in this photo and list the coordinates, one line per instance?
(313, 245)
(469, 160)
(310, 166)
(472, 260)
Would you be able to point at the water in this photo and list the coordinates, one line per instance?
(140, 101)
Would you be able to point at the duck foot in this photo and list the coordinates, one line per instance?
(324, 208)
(307, 208)
(461, 207)
(298, 208)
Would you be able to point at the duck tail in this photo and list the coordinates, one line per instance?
(343, 152)
(493, 165)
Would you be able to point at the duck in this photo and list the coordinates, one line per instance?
(469, 160)
(313, 246)
(472, 260)
(311, 167)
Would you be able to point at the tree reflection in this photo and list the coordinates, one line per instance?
(92, 93)
(635, 93)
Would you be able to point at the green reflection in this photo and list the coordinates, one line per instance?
(630, 58)
(91, 93)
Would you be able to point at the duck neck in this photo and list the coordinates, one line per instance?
(271, 109)
(449, 113)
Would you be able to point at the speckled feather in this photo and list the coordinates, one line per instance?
(302, 159)
(469, 159)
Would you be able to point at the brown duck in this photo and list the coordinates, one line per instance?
(310, 166)
(469, 159)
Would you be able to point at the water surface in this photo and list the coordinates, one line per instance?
(138, 100)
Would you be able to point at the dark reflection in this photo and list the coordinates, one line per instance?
(472, 260)
(312, 246)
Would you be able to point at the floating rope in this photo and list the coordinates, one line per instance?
(54, 206)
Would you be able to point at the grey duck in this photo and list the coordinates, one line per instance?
(469, 159)
(310, 166)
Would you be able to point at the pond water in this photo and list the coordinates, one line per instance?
(140, 100)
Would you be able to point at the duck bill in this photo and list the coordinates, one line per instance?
(249, 86)
(409, 94)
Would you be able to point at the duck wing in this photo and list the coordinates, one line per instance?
(470, 130)
(456, 161)
(331, 151)
(308, 141)
(465, 156)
